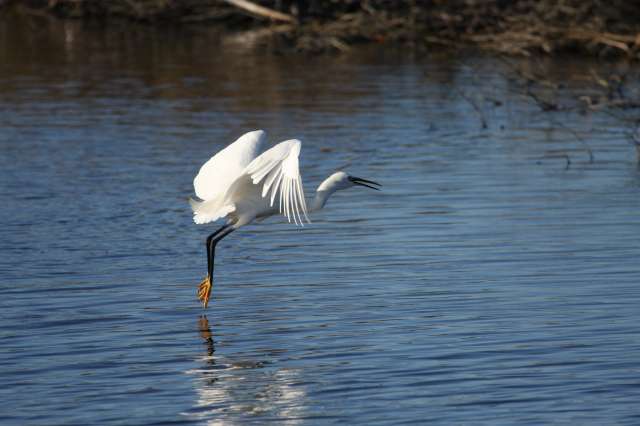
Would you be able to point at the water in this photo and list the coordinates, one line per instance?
(487, 284)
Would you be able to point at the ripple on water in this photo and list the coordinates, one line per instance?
(486, 283)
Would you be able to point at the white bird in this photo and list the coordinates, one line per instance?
(241, 186)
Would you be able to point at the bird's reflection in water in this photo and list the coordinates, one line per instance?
(205, 333)
(229, 391)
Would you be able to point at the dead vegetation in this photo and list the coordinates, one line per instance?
(571, 105)
(520, 27)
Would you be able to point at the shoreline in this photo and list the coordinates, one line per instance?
(520, 27)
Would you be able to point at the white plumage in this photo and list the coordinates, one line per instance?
(217, 174)
(233, 176)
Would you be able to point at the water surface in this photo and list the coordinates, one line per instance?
(487, 284)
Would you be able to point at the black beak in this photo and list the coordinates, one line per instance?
(364, 182)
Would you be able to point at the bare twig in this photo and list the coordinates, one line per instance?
(565, 156)
(261, 11)
(581, 140)
(542, 103)
(477, 109)
(635, 140)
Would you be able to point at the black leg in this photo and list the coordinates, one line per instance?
(209, 245)
(212, 240)
(204, 289)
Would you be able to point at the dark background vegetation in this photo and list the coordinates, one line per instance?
(522, 27)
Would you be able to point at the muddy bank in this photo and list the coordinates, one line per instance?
(521, 27)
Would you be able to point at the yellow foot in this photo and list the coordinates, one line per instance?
(204, 291)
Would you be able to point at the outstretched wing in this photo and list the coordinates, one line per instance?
(278, 172)
(216, 175)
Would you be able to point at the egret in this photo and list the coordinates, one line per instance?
(240, 186)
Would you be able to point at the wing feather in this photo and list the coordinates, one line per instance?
(277, 183)
(294, 191)
(301, 197)
(286, 200)
(273, 175)
(218, 174)
(277, 169)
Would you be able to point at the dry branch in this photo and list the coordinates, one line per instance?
(262, 11)
(516, 27)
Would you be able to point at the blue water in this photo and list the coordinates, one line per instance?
(488, 283)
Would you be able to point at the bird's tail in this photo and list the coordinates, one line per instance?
(209, 211)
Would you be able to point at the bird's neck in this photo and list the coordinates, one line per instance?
(320, 200)
(324, 191)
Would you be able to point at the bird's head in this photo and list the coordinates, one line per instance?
(341, 180)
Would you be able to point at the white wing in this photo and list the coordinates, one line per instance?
(278, 171)
(217, 174)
